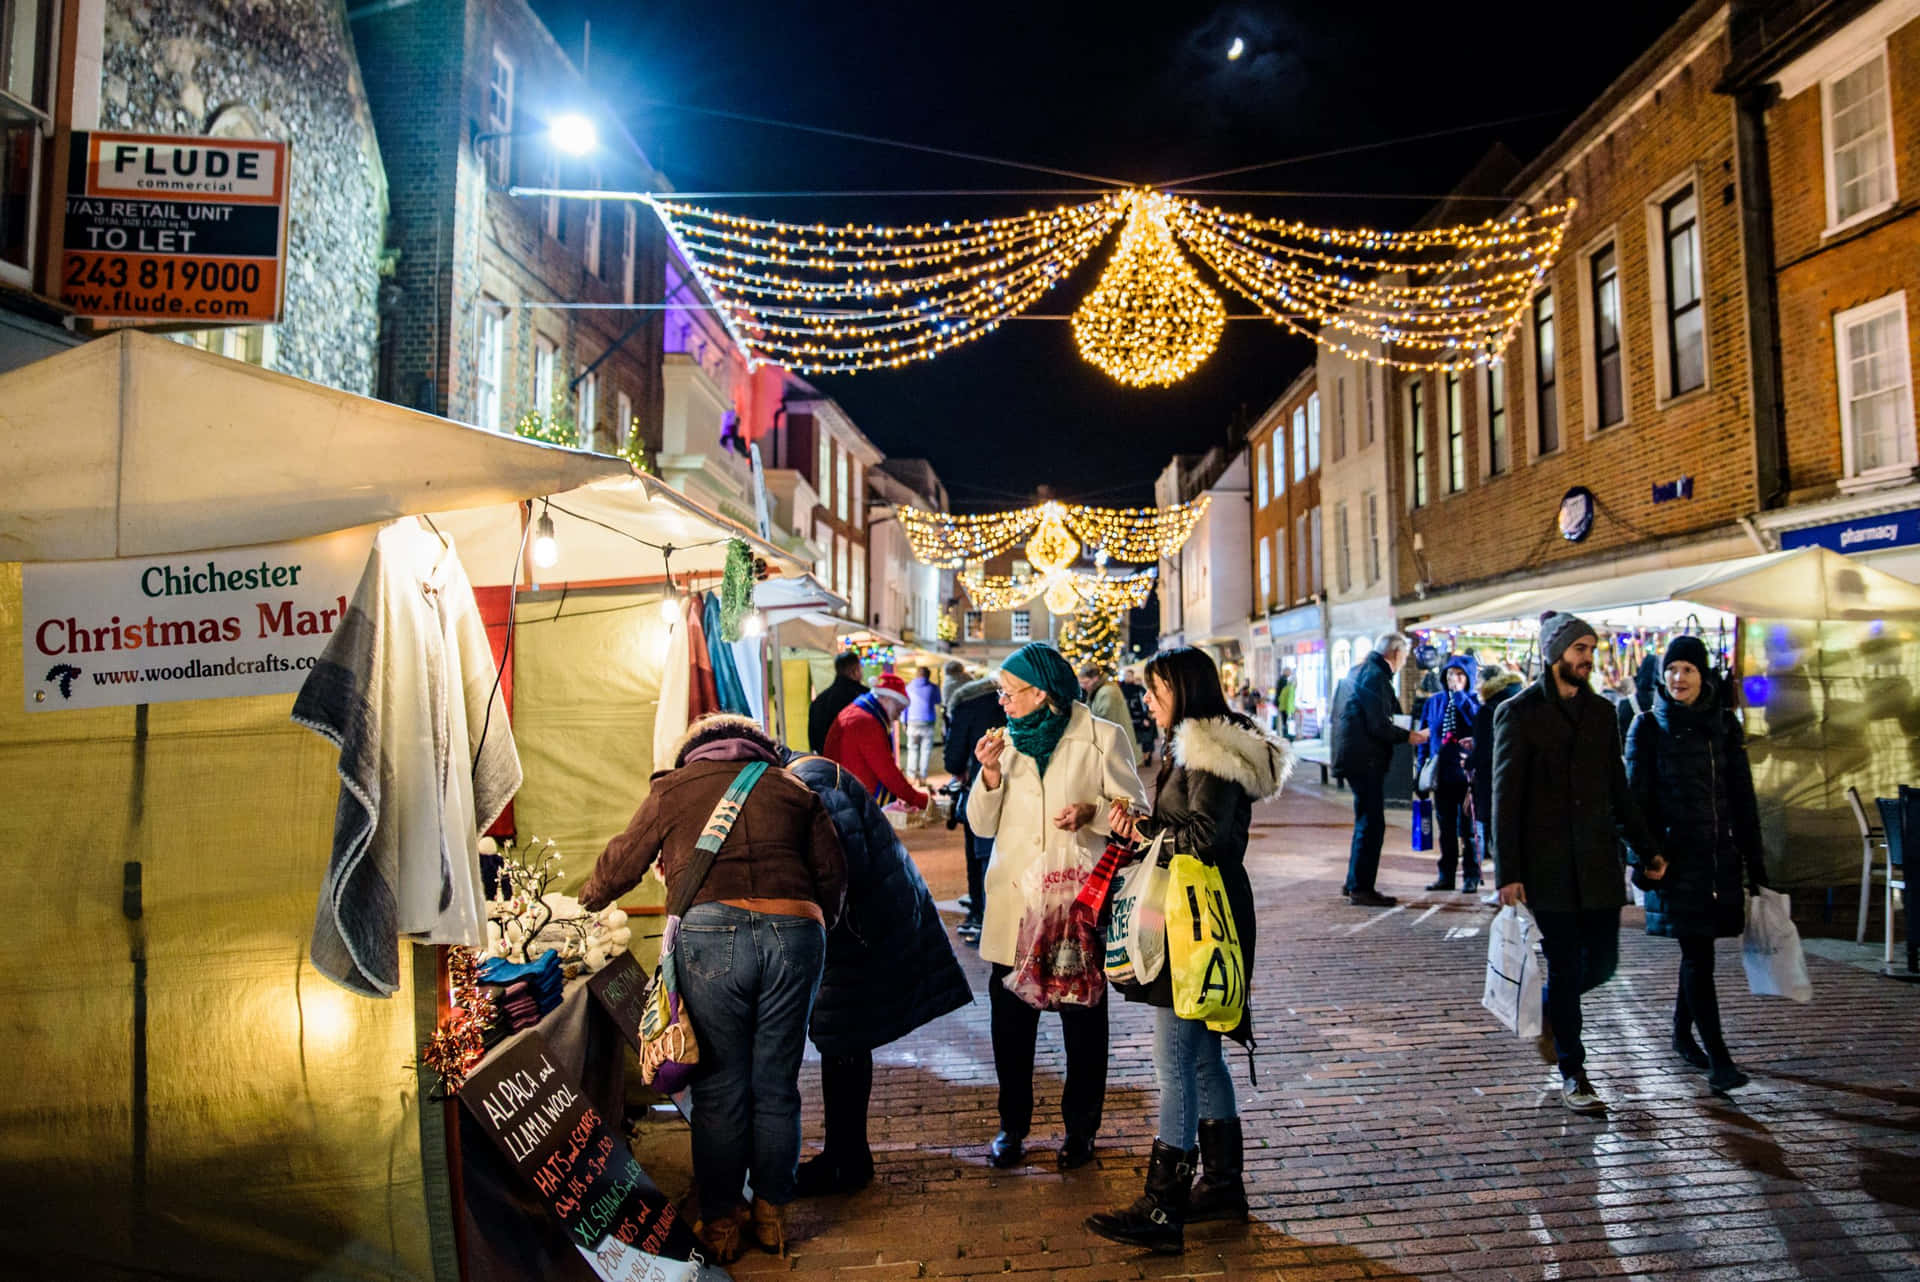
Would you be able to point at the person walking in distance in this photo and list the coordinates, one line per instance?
(1367, 737)
(923, 703)
(1220, 763)
(1497, 685)
(1448, 720)
(1283, 702)
(830, 702)
(1045, 791)
(1687, 766)
(1105, 701)
(1561, 808)
(973, 709)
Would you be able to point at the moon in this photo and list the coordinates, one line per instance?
(1235, 49)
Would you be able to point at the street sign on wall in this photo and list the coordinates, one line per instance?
(182, 230)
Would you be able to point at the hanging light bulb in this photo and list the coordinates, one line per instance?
(754, 625)
(1061, 597)
(670, 606)
(546, 548)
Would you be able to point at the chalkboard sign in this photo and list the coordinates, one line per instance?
(626, 1227)
(621, 987)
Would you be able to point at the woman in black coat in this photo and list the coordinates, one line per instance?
(889, 970)
(1218, 765)
(1687, 765)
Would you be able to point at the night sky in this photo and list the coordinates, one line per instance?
(1129, 91)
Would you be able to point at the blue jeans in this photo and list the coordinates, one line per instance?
(749, 980)
(1369, 829)
(1190, 1064)
(1583, 951)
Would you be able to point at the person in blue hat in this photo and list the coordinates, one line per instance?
(1045, 791)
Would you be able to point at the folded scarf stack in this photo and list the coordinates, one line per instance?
(522, 993)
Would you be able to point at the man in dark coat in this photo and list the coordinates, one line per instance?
(889, 970)
(832, 701)
(1561, 808)
(974, 710)
(1365, 742)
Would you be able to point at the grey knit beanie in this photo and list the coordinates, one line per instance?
(1560, 630)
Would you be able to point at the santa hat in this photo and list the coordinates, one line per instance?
(892, 691)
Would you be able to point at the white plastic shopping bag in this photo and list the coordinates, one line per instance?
(1516, 970)
(1776, 966)
(1137, 920)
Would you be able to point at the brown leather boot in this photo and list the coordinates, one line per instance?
(723, 1236)
(770, 1226)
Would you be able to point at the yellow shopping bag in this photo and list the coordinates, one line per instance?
(1203, 949)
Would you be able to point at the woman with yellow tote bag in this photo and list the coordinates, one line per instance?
(1219, 765)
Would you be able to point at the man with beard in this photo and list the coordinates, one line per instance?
(1561, 808)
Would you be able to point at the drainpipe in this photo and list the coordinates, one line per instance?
(1771, 476)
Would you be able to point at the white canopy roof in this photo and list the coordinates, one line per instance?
(1806, 583)
(138, 446)
(609, 531)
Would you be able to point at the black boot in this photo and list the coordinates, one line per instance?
(1220, 1193)
(1156, 1219)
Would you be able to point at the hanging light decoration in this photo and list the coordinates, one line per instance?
(1052, 548)
(1137, 535)
(1061, 598)
(821, 299)
(1150, 320)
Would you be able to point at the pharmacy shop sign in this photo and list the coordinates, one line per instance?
(201, 625)
(160, 228)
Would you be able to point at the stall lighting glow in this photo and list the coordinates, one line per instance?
(546, 548)
(754, 625)
(670, 604)
(573, 134)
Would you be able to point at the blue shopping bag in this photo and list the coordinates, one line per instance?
(1423, 823)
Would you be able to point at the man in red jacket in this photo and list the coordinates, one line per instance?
(862, 741)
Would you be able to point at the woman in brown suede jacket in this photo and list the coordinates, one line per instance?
(749, 956)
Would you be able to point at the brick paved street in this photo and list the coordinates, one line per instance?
(1396, 1131)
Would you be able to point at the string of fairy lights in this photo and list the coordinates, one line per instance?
(1057, 536)
(819, 298)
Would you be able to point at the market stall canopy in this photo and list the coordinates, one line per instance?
(1806, 583)
(1593, 600)
(781, 599)
(135, 445)
(608, 531)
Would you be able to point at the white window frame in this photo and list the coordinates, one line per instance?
(38, 128)
(1299, 443)
(1590, 337)
(841, 488)
(499, 158)
(1316, 561)
(546, 358)
(586, 407)
(1342, 548)
(1835, 223)
(1894, 304)
(1530, 346)
(856, 495)
(590, 250)
(1413, 403)
(823, 539)
(1367, 375)
(1279, 461)
(1657, 291)
(1020, 625)
(1488, 375)
(1453, 387)
(858, 592)
(553, 212)
(842, 574)
(623, 418)
(1340, 418)
(1280, 562)
(1313, 431)
(823, 463)
(489, 363)
(1371, 552)
(973, 625)
(1260, 475)
(629, 253)
(1302, 556)
(1266, 572)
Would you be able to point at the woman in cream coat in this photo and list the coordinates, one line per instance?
(1044, 789)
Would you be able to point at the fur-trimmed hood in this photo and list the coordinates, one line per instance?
(1236, 750)
(974, 689)
(717, 726)
(1494, 682)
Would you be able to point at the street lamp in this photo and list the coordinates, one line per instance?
(573, 134)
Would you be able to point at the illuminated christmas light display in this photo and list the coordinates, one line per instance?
(1136, 535)
(832, 299)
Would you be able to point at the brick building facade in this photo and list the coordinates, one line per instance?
(1287, 629)
(1838, 110)
(1631, 367)
(506, 305)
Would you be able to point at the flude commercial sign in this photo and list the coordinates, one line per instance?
(162, 228)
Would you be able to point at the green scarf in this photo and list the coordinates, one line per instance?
(1038, 733)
